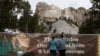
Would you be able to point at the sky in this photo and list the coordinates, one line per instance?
(62, 3)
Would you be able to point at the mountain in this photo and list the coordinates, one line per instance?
(58, 20)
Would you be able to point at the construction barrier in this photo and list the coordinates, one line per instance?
(36, 44)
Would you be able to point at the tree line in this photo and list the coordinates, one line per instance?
(9, 12)
(92, 24)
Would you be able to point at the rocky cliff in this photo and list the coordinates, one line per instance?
(58, 20)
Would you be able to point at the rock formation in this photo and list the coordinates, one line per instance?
(67, 20)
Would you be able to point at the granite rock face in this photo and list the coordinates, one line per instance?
(66, 20)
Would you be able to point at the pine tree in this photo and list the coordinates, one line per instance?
(33, 25)
(26, 17)
(9, 10)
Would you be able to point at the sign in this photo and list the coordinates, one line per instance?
(36, 45)
(77, 45)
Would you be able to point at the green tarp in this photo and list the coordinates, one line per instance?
(5, 47)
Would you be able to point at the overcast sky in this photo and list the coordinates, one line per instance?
(63, 3)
